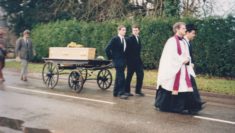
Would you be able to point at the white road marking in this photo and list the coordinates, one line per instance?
(61, 95)
(213, 119)
(107, 102)
(207, 118)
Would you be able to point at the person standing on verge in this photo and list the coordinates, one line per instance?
(189, 36)
(2, 55)
(134, 62)
(24, 50)
(174, 88)
(115, 51)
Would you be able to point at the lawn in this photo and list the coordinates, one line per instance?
(205, 83)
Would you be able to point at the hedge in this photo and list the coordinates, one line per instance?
(213, 48)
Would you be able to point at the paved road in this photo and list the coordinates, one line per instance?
(29, 106)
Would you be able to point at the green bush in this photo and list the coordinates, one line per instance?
(213, 48)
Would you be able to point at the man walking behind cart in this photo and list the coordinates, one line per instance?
(115, 51)
(134, 62)
(24, 51)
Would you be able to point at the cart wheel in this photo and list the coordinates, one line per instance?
(104, 79)
(50, 75)
(84, 73)
(76, 81)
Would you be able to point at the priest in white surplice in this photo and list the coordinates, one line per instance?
(174, 88)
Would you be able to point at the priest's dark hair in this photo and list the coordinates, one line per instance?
(190, 27)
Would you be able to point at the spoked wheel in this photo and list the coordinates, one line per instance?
(50, 75)
(76, 81)
(104, 79)
(84, 73)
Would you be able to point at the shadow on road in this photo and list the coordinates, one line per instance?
(17, 125)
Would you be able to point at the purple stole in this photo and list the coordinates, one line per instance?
(177, 77)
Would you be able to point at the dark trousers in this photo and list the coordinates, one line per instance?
(119, 85)
(140, 76)
(195, 90)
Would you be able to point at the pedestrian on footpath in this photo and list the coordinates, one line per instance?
(2, 56)
(174, 87)
(189, 36)
(134, 62)
(24, 51)
(115, 51)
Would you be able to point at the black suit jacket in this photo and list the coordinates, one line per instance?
(133, 52)
(115, 51)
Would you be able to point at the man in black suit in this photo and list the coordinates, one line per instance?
(189, 36)
(116, 51)
(134, 62)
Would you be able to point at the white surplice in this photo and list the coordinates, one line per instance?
(170, 63)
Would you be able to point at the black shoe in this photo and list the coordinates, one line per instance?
(123, 97)
(140, 94)
(193, 112)
(203, 102)
(25, 79)
(115, 95)
(129, 94)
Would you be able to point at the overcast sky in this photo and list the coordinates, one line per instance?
(224, 7)
(220, 7)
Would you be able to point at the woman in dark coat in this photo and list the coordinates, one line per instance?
(2, 55)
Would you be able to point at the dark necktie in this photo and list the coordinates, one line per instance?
(27, 43)
(187, 42)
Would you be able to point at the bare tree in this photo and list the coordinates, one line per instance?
(197, 8)
(158, 7)
(73, 7)
(190, 7)
(207, 8)
(101, 10)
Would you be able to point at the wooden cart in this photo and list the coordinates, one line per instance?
(81, 72)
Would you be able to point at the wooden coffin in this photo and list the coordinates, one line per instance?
(72, 53)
